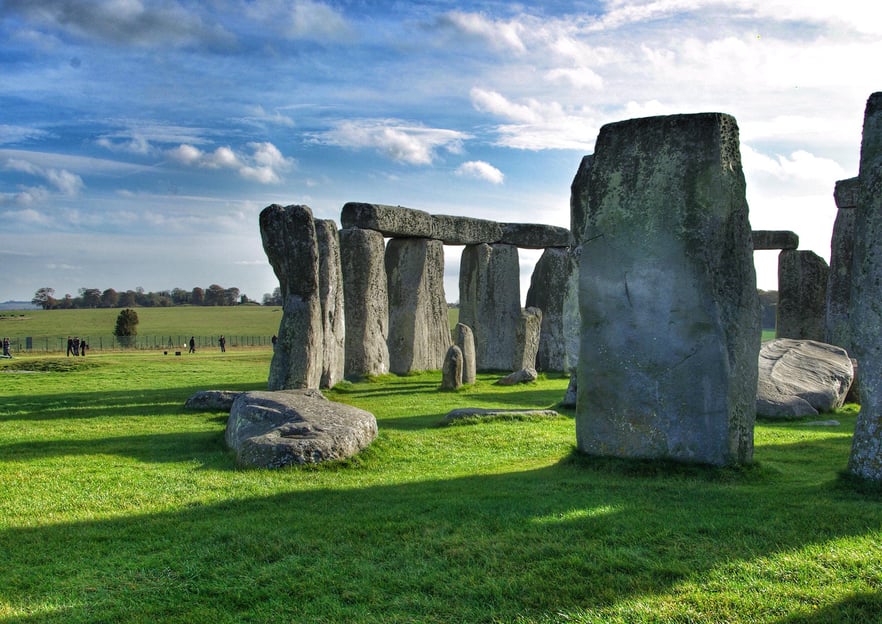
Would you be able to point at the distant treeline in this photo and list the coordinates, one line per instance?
(88, 298)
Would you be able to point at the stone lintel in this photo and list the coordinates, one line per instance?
(774, 239)
(846, 193)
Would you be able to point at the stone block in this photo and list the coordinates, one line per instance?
(802, 295)
(548, 289)
(331, 299)
(774, 239)
(390, 221)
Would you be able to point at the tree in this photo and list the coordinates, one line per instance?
(44, 298)
(274, 299)
(127, 299)
(197, 297)
(126, 327)
(109, 298)
(91, 297)
(214, 295)
(231, 296)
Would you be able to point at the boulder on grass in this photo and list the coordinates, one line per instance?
(801, 378)
(275, 429)
(525, 375)
(212, 400)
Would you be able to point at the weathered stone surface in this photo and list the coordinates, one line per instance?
(527, 336)
(419, 330)
(837, 328)
(802, 295)
(490, 302)
(365, 292)
(478, 412)
(331, 299)
(465, 230)
(289, 240)
(212, 400)
(569, 399)
(668, 300)
(579, 200)
(548, 289)
(801, 378)
(451, 372)
(865, 312)
(774, 239)
(525, 375)
(571, 316)
(534, 236)
(391, 221)
(465, 340)
(275, 429)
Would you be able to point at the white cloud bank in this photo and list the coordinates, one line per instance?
(264, 164)
(481, 170)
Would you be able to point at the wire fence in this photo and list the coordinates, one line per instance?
(109, 342)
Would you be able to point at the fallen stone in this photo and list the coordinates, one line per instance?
(821, 423)
(525, 375)
(212, 400)
(477, 412)
(799, 378)
(292, 427)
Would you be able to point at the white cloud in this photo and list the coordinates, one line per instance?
(17, 134)
(578, 77)
(501, 34)
(800, 169)
(407, 143)
(63, 181)
(264, 164)
(481, 170)
(300, 19)
(135, 145)
(258, 114)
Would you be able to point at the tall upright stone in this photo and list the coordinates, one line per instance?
(419, 329)
(548, 288)
(802, 295)
(490, 302)
(837, 330)
(527, 335)
(571, 316)
(367, 302)
(331, 298)
(670, 312)
(865, 313)
(465, 340)
(289, 240)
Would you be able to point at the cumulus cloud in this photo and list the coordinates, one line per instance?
(481, 170)
(135, 145)
(18, 134)
(264, 163)
(395, 139)
(503, 35)
(60, 180)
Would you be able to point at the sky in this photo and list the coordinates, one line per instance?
(140, 140)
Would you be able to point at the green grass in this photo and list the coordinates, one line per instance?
(120, 506)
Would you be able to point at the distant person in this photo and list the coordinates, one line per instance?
(223, 344)
(76, 345)
(83, 346)
(6, 352)
(275, 340)
(69, 346)
(192, 345)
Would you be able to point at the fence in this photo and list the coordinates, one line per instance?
(58, 344)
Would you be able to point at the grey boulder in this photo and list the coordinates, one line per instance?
(212, 400)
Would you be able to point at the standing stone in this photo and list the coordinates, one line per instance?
(451, 372)
(527, 336)
(548, 287)
(290, 243)
(490, 302)
(367, 302)
(837, 327)
(465, 340)
(419, 330)
(670, 312)
(572, 318)
(865, 312)
(579, 200)
(331, 298)
(802, 295)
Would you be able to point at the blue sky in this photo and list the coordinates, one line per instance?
(139, 140)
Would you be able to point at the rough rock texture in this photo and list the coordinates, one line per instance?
(419, 330)
(212, 400)
(451, 371)
(670, 312)
(572, 317)
(865, 312)
(275, 429)
(527, 336)
(362, 255)
(465, 340)
(579, 200)
(534, 236)
(569, 399)
(389, 220)
(490, 302)
(774, 239)
(478, 412)
(801, 378)
(289, 240)
(548, 288)
(465, 230)
(331, 299)
(837, 328)
(525, 375)
(802, 295)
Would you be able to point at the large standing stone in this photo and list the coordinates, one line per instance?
(548, 289)
(465, 340)
(670, 312)
(865, 312)
(837, 326)
(527, 335)
(419, 330)
(572, 318)
(331, 297)
(367, 302)
(802, 295)
(289, 240)
(490, 302)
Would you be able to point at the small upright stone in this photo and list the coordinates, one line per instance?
(451, 372)
(465, 340)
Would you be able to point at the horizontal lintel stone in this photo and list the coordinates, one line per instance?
(774, 239)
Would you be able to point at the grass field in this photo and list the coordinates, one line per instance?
(120, 506)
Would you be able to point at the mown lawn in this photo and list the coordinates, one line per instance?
(120, 506)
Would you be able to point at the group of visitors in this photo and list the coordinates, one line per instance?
(76, 347)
